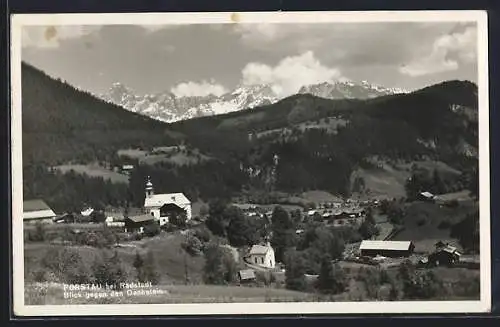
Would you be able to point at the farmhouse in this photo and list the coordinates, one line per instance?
(246, 275)
(427, 196)
(164, 207)
(386, 248)
(137, 223)
(262, 255)
(114, 219)
(445, 254)
(37, 211)
(87, 212)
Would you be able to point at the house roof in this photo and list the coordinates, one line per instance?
(450, 249)
(141, 218)
(114, 214)
(247, 274)
(427, 194)
(35, 205)
(87, 212)
(385, 245)
(172, 206)
(36, 209)
(259, 249)
(157, 200)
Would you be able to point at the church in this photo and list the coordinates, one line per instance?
(164, 207)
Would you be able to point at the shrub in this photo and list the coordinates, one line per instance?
(295, 271)
(152, 229)
(203, 234)
(220, 267)
(109, 270)
(445, 224)
(67, 265)
(332, 279)
(421, 222)
(38, 235)
(192, 245)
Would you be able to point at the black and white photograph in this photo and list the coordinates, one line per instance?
(240, 163)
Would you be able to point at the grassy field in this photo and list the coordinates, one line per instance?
(424, 220)
(171, 154)
(386, 182)
(94, 171)
(172, 261)
(319, 197)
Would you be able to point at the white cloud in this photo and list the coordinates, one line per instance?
(50, 36)
(447, 52)
(290, 73)
(202, 88)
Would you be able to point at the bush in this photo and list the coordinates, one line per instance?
(295, 271)
(192, 245)
(421, 222)
(147, 269)
(67, 265)
(220, 267)
(203, 234)
(332, 279)
(38, 235)
(445, 224)
(152, 229)
(109, 270)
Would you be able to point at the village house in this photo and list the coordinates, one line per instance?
(164, 207)
(246, 275)
(262, 255)
(394, 249)
(427, 196)
(444, 254)
(87, 212)
(37, 211)
(138, 222)
(114, 218)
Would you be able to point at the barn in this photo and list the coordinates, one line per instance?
(386, 248)
(37, 211)
(137, 223)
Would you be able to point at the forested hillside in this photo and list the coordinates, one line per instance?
(61, 123)
(297, 144)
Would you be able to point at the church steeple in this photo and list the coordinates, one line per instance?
(149, 188)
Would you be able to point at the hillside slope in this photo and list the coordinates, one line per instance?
(298, 144)
(61, 123)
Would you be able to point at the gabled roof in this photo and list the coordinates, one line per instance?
(157, 200)
(37, 209)
(35, 205)
(260, 249)
(427, 194)
(385, 245)
(141, 218)
(450, 249)
(247, 274)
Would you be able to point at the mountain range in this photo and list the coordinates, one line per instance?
(168, 107)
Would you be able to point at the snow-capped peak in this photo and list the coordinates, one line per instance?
(166, 106)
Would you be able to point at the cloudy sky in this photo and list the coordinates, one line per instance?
(203, 59)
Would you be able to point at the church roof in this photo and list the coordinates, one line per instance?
(157, 200)
(259, 249)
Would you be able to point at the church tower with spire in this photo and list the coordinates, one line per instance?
(149, 188)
